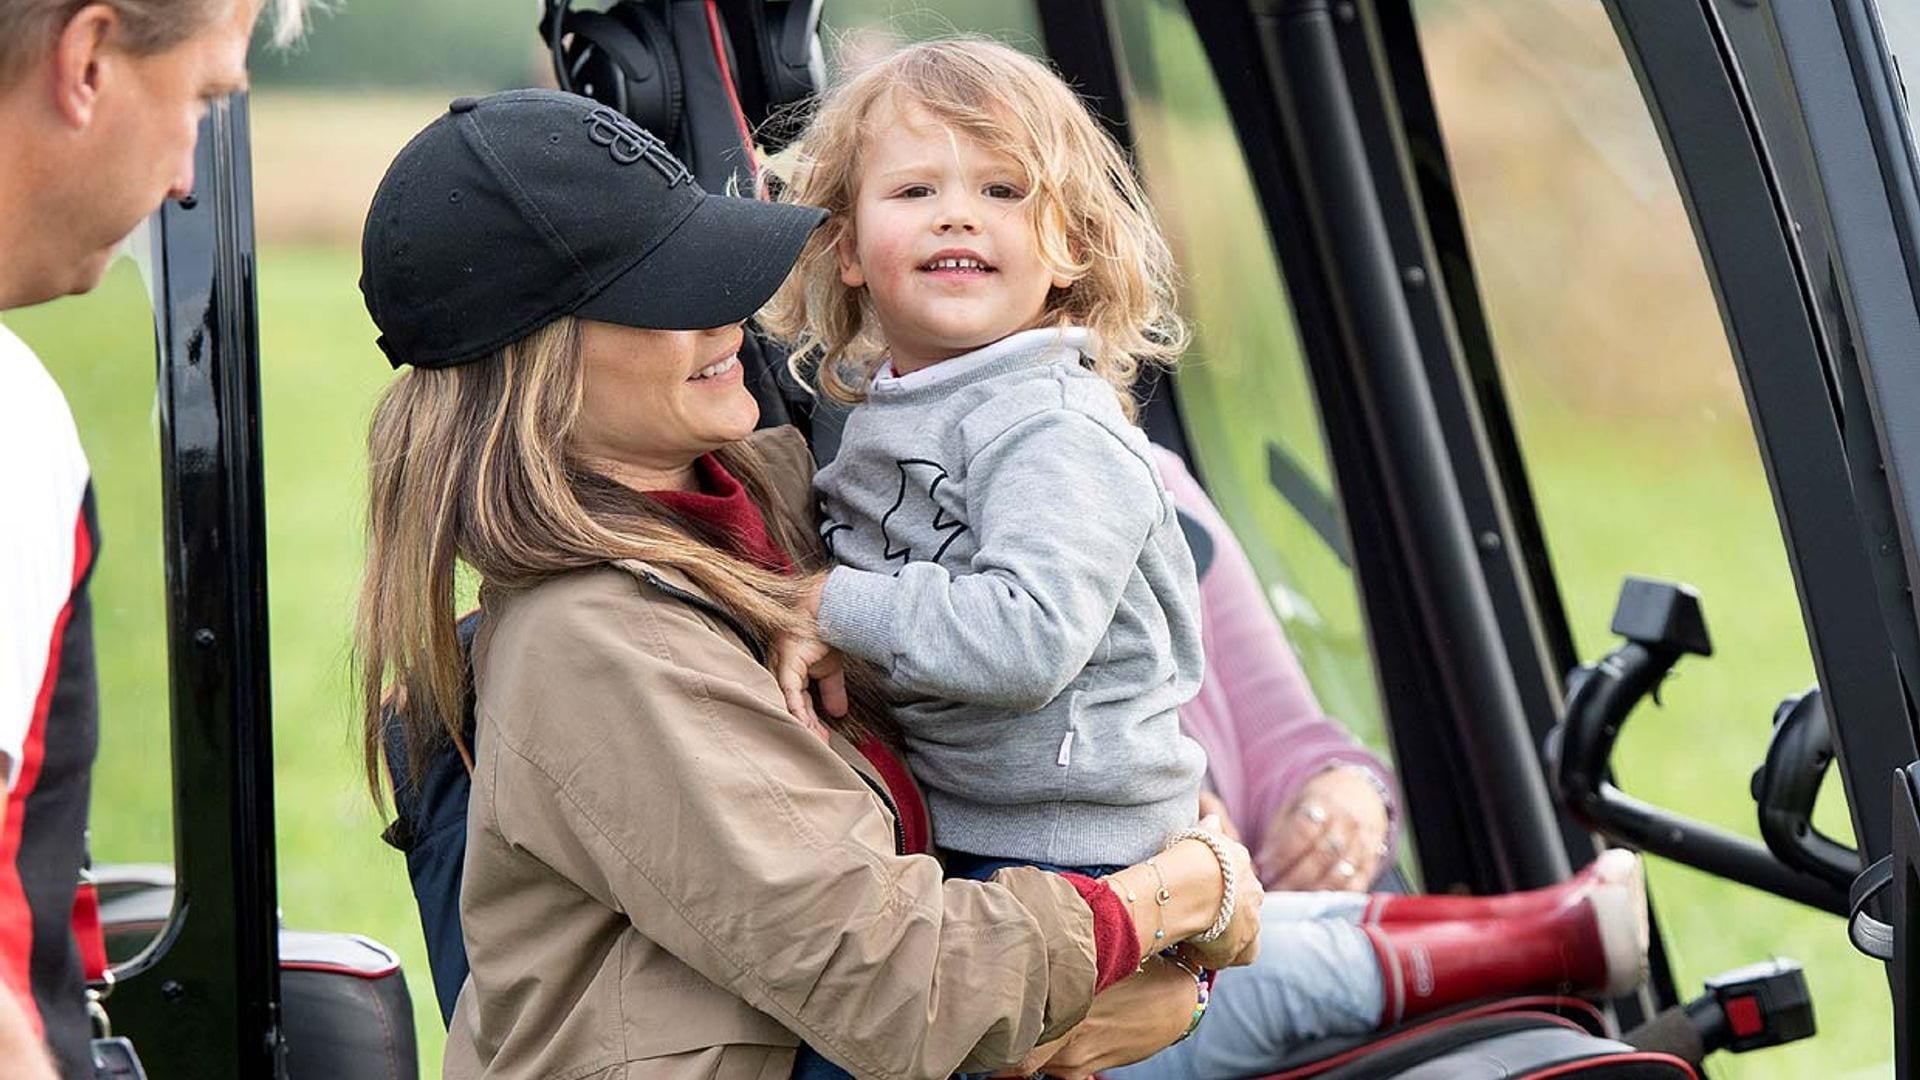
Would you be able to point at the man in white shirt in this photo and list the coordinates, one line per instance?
(100, 106)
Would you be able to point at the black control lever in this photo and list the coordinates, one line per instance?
(1758, 1006)
(1662, 622)
(1786, 785)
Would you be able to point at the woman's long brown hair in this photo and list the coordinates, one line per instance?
(470, 464)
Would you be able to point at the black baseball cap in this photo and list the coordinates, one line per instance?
(514, 209)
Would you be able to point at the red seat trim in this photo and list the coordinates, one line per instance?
(1570, 1068)
(328, 968)
(1498, 1008)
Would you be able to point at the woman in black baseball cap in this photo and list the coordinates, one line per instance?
(664, 874)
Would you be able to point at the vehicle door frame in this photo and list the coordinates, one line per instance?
(1806, 203)
(1468, 635)
(203, 998)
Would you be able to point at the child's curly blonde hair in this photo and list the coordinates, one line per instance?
(1090, 216)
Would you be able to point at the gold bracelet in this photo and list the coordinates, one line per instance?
(1161, 897)
(1126, 893)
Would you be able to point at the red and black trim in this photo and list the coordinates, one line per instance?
(43, 836)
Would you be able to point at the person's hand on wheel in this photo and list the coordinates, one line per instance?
(1333, 836)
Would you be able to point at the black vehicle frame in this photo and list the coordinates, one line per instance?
(1785, 127)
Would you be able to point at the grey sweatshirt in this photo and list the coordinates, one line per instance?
(1010, 559)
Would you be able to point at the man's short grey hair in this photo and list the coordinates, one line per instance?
(149, 26)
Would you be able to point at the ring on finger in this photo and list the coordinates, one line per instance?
(1315, 813)
(1344, 868)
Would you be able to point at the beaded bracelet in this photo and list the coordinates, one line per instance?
(1225, 917)
(1202, 986)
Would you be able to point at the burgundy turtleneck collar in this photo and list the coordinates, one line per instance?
(721, 505)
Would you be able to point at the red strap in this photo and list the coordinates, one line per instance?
(719, 39)
(88, 934)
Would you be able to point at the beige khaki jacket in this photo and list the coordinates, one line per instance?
(668, 877)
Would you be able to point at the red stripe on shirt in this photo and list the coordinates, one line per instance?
(16, 918)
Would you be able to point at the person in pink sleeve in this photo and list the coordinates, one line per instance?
(1316, 808)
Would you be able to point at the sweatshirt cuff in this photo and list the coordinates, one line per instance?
(856, 614)
(1115, 940)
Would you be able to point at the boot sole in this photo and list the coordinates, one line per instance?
(1619, 902)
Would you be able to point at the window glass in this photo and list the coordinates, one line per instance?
(1901, 21)
(1243, 385)
(1641, 455)
(100, 349)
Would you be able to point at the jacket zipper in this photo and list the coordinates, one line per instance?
(753, 643)
(899, 830)
(760, 656)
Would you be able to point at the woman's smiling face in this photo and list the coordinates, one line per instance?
(942, 240)
(654, 400)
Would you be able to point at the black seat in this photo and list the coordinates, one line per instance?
(344, 1006)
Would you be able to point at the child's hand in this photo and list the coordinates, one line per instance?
(798, 661)
(810, 593)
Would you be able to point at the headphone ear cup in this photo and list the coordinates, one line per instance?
(791, 64)
(662, 108)
(589, 69)
(631, 72)
(794, 66)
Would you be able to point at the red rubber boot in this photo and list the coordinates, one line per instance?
(1615, 866)
(1594, 941)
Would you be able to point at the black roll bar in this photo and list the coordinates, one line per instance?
(1662, 623)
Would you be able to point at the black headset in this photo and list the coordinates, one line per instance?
(622, 57)
(627, 57)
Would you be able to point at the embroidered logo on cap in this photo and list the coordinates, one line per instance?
(628, 142)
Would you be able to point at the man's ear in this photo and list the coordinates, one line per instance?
(81, 61)
(845, 250)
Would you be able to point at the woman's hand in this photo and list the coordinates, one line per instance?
(1240, 943)
(1334, 836)
(798, 662)
(1132, 1019)
(1176, 895)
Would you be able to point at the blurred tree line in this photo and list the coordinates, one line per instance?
(481, 45)
(489, 45)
